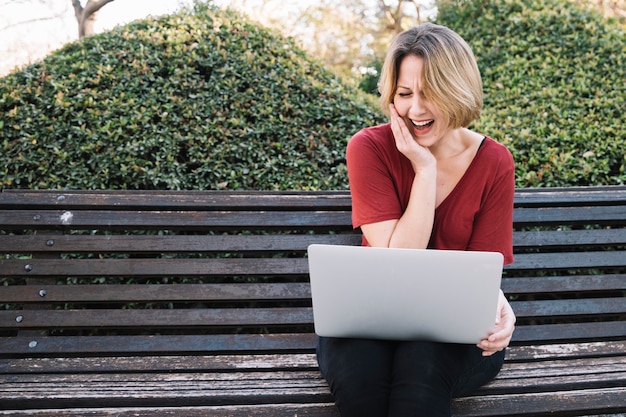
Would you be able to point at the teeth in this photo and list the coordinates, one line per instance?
(421, 124)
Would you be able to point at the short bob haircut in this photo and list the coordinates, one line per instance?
(451, 78)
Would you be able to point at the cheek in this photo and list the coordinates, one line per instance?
(401, 107)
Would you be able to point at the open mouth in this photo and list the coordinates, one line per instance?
(422, 124)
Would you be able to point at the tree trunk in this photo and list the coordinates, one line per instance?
(86, 16)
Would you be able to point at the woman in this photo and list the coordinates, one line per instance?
(425, 180)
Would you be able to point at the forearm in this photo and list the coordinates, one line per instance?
(414, 228)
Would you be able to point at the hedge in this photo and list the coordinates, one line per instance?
(203, 99)
(555, 91)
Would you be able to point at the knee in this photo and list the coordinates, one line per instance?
(358, 376)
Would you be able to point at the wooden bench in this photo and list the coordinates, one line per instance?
(197, 303)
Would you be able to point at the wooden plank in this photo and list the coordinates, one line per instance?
(568, 350)
(169, 363)
(566, 373)
(157, 318)
(544, 403)
(241, 387)
(276, 410)
(570, 196)
(171, 199)
(200, 344)
(163, 318)
(179, 220)
(228, 243)
(171, 243)
(568, 260)
(607, 215)
(153, 267)
(223, 220)
(283, 361)
(111, 389)
(596, 331)
(111, 198)
(155, 293)
(163, 389)
(568, 238)
(573, 307)
(145, 344)
(265, 291)
(262, 266)
(563, 284)
(256, 410)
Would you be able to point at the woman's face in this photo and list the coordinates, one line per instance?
(421, 117)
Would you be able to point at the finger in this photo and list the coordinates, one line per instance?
(400, 131)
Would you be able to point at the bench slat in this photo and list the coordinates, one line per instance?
(561, 284)
(42, 243)
(154, 293)
(307, 410)
(570, 196)
(196, 220)
(165, 389)
(153, 267)
(140, 344)
(266, 291)
(531, 197)
(561, 308)
(570, 331)
(524, 216)
(233, 388)
(249, 361)
(560, 376)
(543, 403)
(566, 238)
(203, 200)
(161, 318)
(228, 243)
(256, 410)
(568, 260)
(263, 219)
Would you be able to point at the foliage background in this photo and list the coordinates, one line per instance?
(555, 91)
(197, 100)
(203, 99)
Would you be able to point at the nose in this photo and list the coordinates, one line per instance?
(417, 104)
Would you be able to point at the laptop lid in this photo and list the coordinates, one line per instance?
(404, 294)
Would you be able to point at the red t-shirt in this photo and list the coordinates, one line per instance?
(476, 215)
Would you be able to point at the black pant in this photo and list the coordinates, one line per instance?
(388, 378)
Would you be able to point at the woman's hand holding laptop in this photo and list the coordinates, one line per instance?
(503, 330)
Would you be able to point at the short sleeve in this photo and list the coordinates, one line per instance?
(374, 193)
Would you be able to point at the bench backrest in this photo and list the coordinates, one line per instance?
(129, 273)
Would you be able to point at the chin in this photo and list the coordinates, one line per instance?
(425, 140)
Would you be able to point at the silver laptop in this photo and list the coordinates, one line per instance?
(404, 294)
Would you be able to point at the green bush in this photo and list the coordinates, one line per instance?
(204, 99)
(201, 99)
(555, 91)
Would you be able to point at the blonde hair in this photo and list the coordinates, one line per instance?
(451, 78)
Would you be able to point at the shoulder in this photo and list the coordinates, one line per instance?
(372, 140)
(496, 153)
(379, 134)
